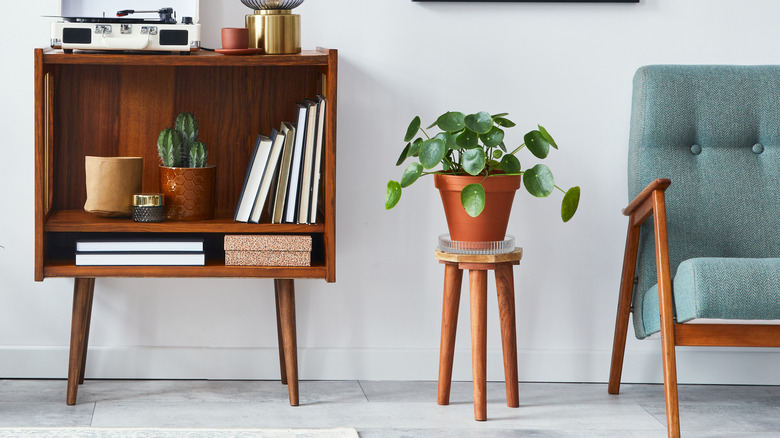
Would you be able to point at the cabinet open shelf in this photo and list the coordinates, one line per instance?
(81, 221)
(116, 104)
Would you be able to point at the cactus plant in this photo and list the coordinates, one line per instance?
(179, 146)
(187, 125)
(169, 147)
(198, 154)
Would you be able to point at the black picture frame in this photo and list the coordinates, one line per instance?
(534, 1)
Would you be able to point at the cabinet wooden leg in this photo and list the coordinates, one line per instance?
(506, 311)
(287, 316)
(90, 297)
(83, 288)
(280, 341)
(478, 298)
(453, 280)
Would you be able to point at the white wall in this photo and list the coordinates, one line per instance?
(566, 66)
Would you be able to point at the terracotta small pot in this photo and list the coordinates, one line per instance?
(490, 225)
(235, 38)
(188, 192)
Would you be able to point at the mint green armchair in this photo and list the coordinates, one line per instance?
(704, 223)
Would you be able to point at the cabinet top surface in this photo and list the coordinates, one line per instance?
(199, 58)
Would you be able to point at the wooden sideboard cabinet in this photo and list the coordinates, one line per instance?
(116, 105)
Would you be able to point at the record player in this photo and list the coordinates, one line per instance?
(110, 25)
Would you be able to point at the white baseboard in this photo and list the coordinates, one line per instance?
(699, 366)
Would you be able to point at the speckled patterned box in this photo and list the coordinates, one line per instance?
(267, 242)
(267, 258)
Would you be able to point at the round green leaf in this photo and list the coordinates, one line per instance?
(414, 149)
(451, 121)
(501, 121)
(537, 144)
(510, 164)
(493, 138)
(411, 174)
(411, 131)
(497, 154)
(571, 200)
(481, 122)
(546, 135)
(467, 139)
(403, 156)
(474, 161)
(431, 152)
(448, 139)
(472, 197)
(539, 181)
(393, 194)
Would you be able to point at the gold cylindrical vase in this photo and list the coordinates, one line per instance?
(277, 32)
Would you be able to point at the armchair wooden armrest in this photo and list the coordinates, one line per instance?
(642, 205)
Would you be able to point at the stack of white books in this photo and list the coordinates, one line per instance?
(282, 182)
(142, 251)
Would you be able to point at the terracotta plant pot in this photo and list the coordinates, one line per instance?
(491, 224)
(189, 192)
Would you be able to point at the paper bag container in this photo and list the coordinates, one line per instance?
(111, 183)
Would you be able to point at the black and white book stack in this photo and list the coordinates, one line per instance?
(282, 183)
(162, 251)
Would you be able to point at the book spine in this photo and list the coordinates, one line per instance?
(267, 242)
(267, 258)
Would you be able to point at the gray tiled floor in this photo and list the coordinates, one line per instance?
(395, 409)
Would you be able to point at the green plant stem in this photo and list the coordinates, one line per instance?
(562, 191)
(518, 149)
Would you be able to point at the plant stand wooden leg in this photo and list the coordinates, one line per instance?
(90, 297)
(453, 280)
(287, 316)
(506, 311)
(478, 298)
(280, 341)
(83, 288)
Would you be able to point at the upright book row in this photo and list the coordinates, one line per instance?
(282, 182)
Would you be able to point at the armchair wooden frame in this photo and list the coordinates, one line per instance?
(651, 202)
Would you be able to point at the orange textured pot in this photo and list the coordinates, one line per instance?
(491, 224)
(188, 192)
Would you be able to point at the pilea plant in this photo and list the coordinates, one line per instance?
(179, 146)
(474, 145)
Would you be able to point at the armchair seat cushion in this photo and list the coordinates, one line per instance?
(720, 288)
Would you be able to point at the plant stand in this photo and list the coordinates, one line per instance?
(478, 265)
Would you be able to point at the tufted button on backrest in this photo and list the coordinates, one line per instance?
(695, 149)
(758, 148)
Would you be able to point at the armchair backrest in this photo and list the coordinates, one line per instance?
(714, 131)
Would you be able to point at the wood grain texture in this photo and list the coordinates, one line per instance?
(514, 256)
(478, 299)
(83, 288)
(453, 281)
(280, 340)
(666, 305)
(87, 325)
(200, 58)
(727, 335)
(289, 337)
(659, 184)
(505, 289)
(623, 307)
